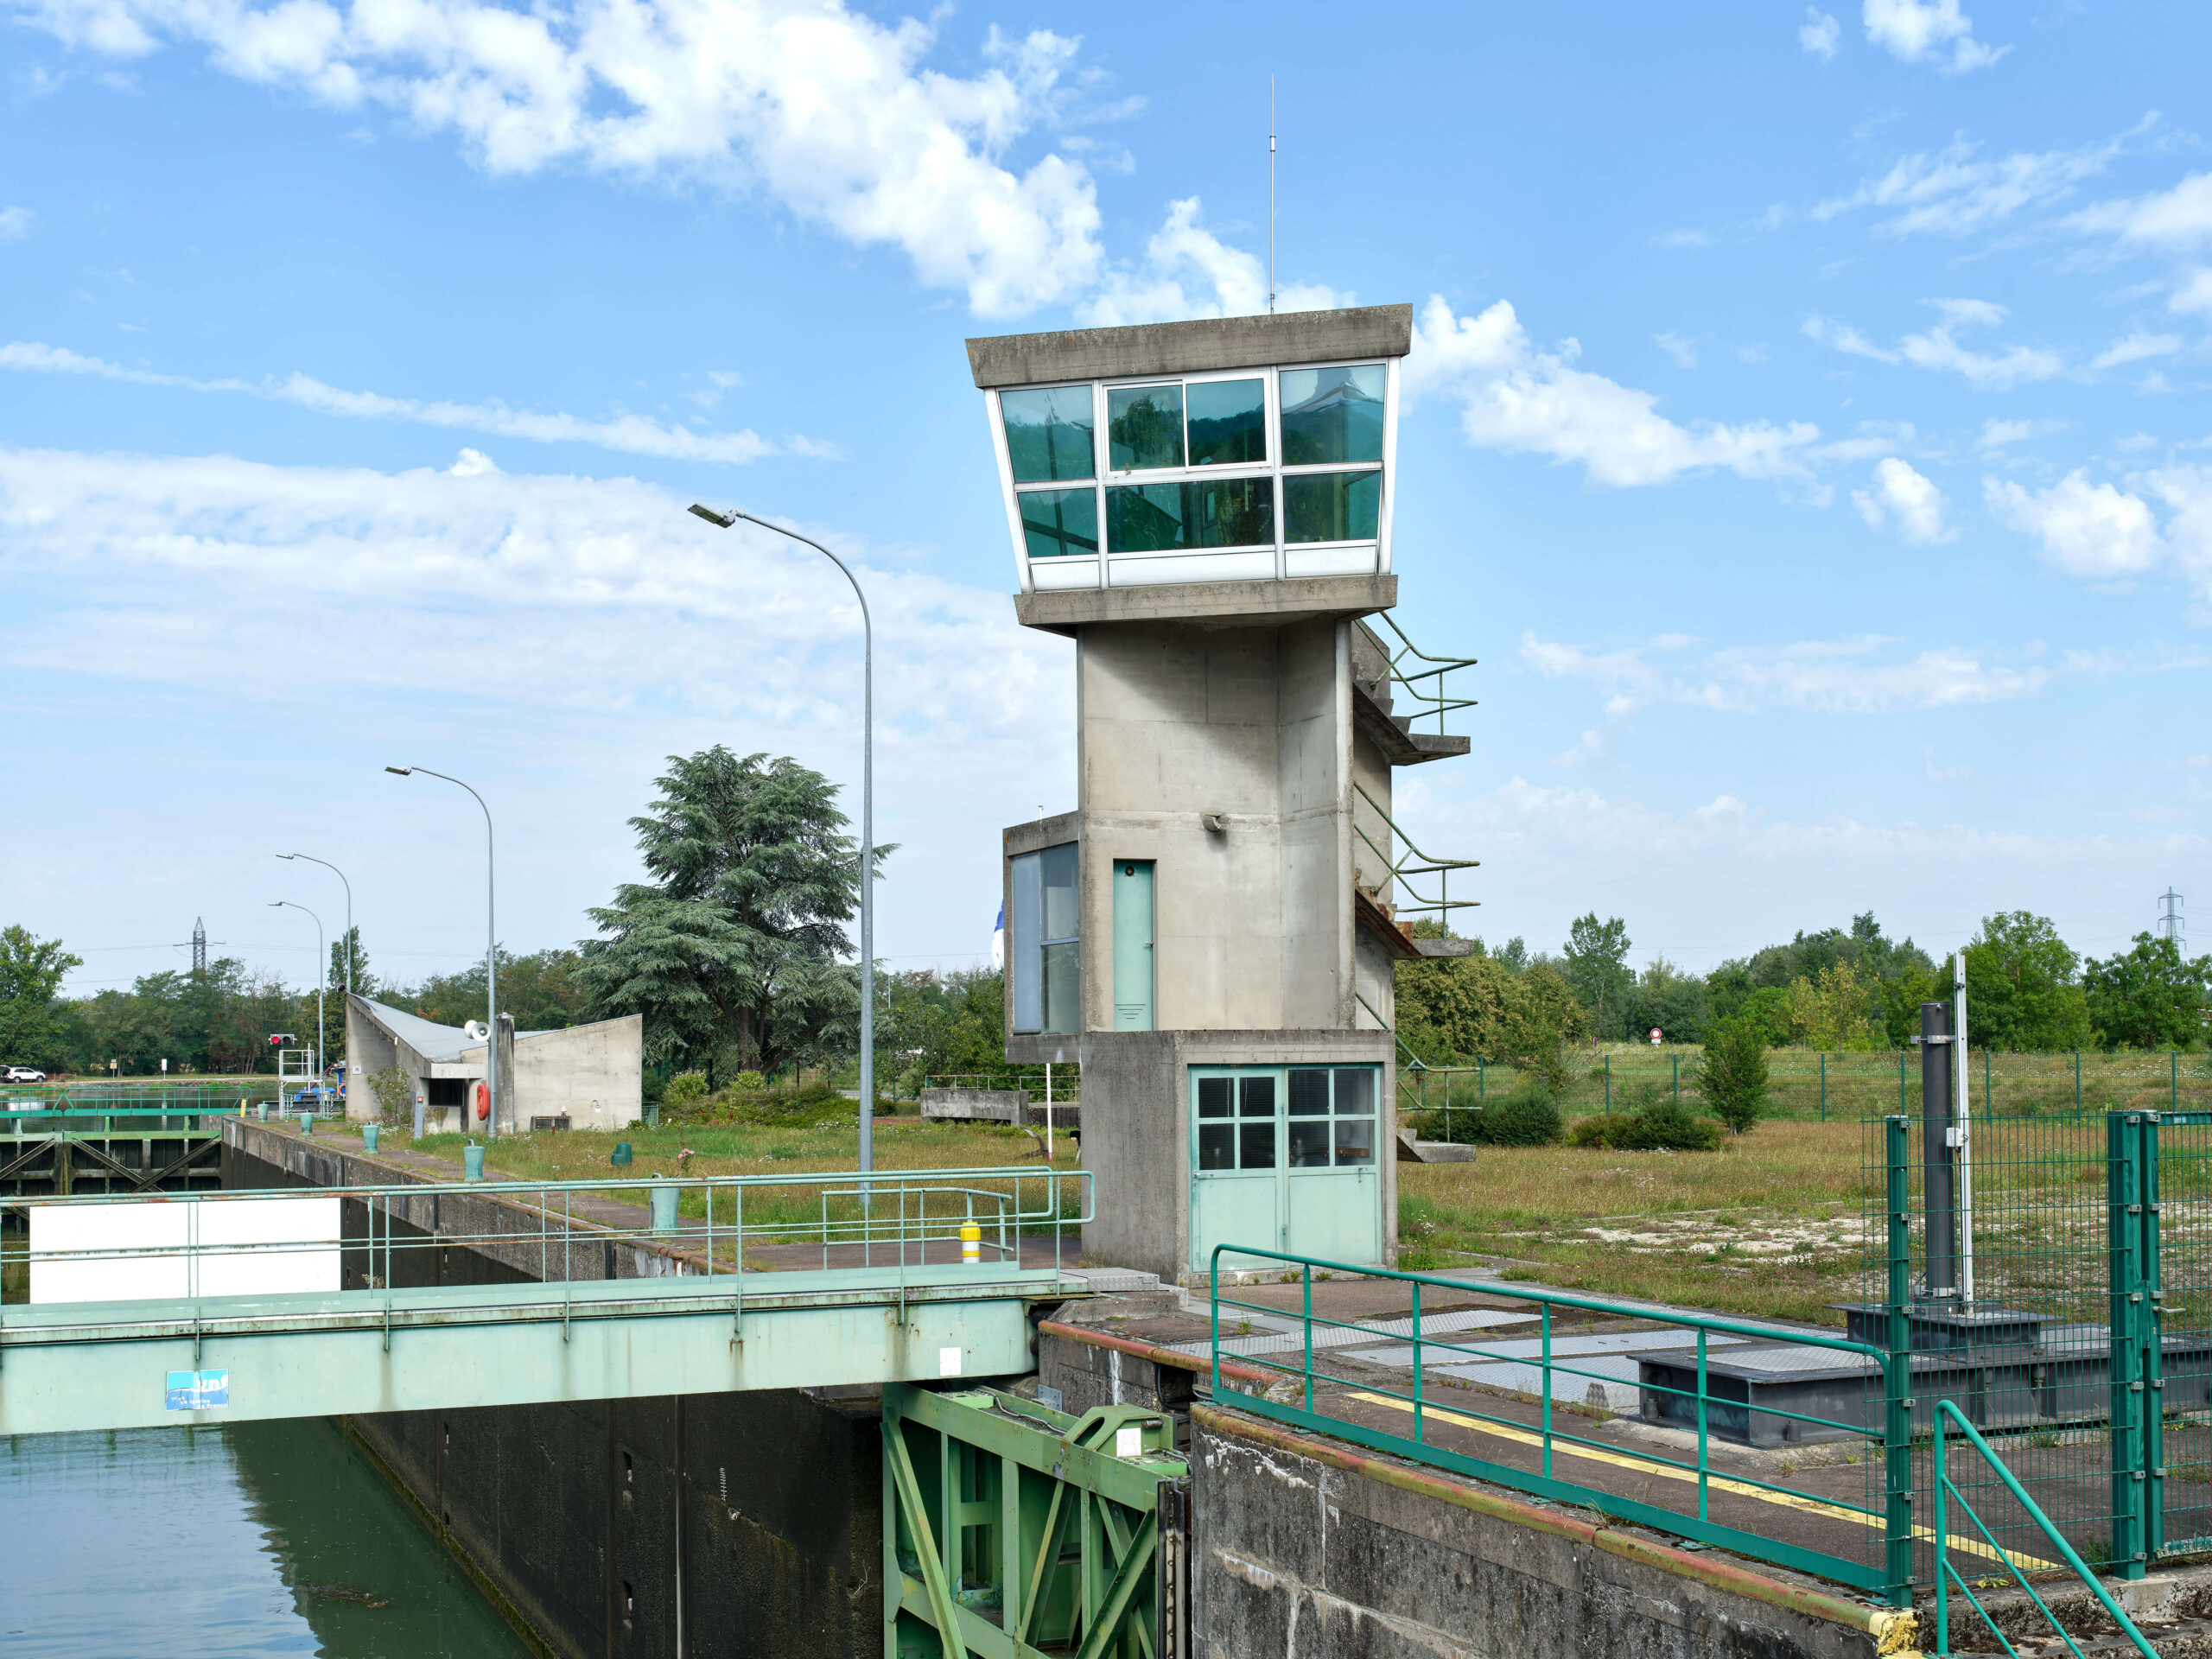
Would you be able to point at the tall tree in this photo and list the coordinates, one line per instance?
(2148, 996)
(2023, 990)
(31, 972)
(734, 948)
(1596, 968)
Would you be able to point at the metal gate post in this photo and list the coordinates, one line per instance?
(2153, 1365)
(1897, 1368)
(2124, 1199)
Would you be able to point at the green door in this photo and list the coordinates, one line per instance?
(1133, 945)
(1283, 1157)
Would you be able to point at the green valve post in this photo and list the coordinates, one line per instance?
(621, 1156)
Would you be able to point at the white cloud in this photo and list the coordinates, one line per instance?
(1850, 676)
(2134, 348)
(1939, 348)
(1998, 434)
(1916, 31)
(825, 109)
(1514, 396)
(1187, 271)
(1684, 352)
(1951, 194)
(2194, 294)
(1820, 33)
(636, 435)
(2175, 219)
(1908, 501)
(604, 591)
(1689, 236)
(14, 223)
(2086, 529)
(2187, 492)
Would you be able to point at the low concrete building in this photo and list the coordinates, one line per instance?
(584, 1077)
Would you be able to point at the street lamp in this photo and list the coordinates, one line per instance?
(321, 979)
(341, 874)
(729, 520)
(491, 950)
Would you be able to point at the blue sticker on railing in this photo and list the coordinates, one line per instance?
(198, 1390)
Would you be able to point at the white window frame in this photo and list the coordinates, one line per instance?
(1079, 570)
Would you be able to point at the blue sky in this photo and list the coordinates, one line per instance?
(1808, 433)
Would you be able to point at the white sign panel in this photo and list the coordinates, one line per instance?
(144, 1249)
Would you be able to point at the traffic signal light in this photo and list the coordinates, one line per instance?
(279, 1039)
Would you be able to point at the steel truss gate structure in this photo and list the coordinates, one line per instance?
(1011, 1530)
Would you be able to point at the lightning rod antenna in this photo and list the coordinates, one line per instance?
(1271, 195)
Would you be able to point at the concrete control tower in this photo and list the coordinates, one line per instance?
(1204, 509)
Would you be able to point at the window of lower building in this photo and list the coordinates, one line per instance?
(1324, 1120)
(1043, 947)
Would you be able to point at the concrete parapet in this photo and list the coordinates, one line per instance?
(1307, 1547)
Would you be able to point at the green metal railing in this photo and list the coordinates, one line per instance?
(1869, 1550)
(972, 1217)
(1950, 1419)
(1414, 862)
(1432, 698)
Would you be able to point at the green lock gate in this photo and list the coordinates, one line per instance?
(1011, 1530)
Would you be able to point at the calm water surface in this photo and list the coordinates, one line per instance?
(260, 1539)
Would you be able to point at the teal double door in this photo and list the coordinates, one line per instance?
(1286, 1158)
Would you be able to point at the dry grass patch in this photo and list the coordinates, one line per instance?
(1770, 1225)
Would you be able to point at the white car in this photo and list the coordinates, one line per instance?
(25, 1074)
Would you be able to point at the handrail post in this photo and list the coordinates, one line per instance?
(1897, 1367)
(1703, 1470)
(1545, 1377)
(1418, 1434)
(1309, 1334)
(2124, 1193)
(1941, 1478)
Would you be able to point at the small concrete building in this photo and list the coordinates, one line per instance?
(1204, 509)
(584, 1077)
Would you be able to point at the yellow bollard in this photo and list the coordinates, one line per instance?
(971, 1244)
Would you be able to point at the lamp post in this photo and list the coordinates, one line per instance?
(321, 978)
(341, 874)
(727, 521)
(490, 948)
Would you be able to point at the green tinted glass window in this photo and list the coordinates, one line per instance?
(1175, 518)
(1332, 414)
(1056, 522)
(1048, 434)
(1332, 506)
(1144, 427)
(1228, 422)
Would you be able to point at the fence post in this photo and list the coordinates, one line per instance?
(2153, 1326)
(2123, 1201)
(1824, 1086)
(1988, 1100)
(1609, 1080)
(1678, 1079)
(1896, 1366)
(2077, 1079)
(2173, 1081)
(1901, 1105)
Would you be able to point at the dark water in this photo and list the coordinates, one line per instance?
(255, 1540)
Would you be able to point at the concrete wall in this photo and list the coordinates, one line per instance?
(1309, 1548)
(594, 1073)
(1253, 927)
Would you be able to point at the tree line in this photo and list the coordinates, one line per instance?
(1837, 989)
(734, 950)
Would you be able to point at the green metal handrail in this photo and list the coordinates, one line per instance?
(1863, 1574)
(1947, 1492)
(1433, 700)
(1420, 863)
(883, 1216)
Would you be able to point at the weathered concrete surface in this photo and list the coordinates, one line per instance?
(592, 1074)
(1194, 347)
(1301, 1548)
(754, 1519)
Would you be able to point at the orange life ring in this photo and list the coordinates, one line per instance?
(483, 1100)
